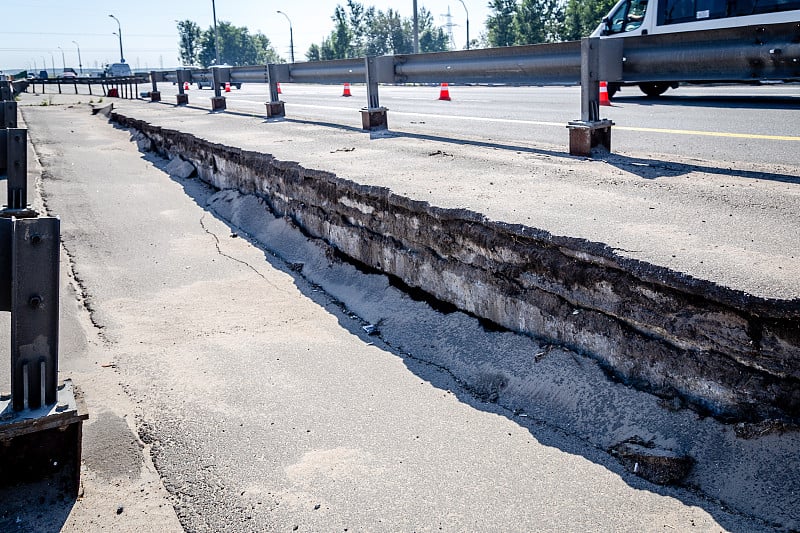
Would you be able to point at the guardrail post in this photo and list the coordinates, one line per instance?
(373, 117)
(218, 101)
(183, 77)
(8, 114)
(155, 95)
(590, 131)
(41, 422)
(6, 91)
(275, 108)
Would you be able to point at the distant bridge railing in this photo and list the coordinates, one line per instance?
(744, 54)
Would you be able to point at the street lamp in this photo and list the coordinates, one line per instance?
(53, 62)
(465, 9)
(216, 34)
(80, 65)
(63, 61)
(291, 35)
(119, 34)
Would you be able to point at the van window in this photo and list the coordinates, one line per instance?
(628, 17)
(677, 11)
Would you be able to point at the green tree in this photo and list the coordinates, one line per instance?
(538, 21)
(431, 38)
(581, 17)
(314, 53)
(501, 23)
(189, 41)
(236, 47)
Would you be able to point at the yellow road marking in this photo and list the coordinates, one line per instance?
(561, 125)
(711, 133)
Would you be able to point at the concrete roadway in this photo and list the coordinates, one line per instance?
(732, 124)
(267, 408)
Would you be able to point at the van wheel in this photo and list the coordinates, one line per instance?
(654, 89)
(612, 89)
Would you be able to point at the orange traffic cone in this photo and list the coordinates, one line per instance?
(604, 94)
(186, 86)
(346, 90)
(227, 86)
(279, 88)
(444, 92)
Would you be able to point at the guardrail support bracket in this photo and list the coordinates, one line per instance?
(374, 118)
(155, 96)
(276, 109)
(218, 104)
(583, 136)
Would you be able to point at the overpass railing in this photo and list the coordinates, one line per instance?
(745, 54)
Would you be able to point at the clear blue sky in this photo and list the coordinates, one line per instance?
(32, 31)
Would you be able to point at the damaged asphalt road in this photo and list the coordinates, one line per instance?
(266, 406)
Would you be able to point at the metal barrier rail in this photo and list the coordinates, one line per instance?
(764, 52)
(124, 87)
(41, 420)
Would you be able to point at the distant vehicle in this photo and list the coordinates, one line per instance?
(631, 18)
(210, 84)
(118, 70)
(43, 75)
(69, 73)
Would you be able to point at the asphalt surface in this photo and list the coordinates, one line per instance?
(265, 405)
(710, 219)
(732, 124)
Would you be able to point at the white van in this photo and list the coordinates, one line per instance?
(118, 70)
(652, 17)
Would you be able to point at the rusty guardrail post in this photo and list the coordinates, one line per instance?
(155, 95)
(184, 78)
(275, 108)
(219, 75)
(40, 421)
(373, 117)
(597, 59)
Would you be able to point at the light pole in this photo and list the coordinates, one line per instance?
(63, 61)
(467, 11)
(291, 35)
(53, 62)
(80, 64)
(216, 34)
(416, 28)
(119, 34)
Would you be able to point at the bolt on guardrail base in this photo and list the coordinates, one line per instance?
(584, 135)
(276, 109)
(374, 118)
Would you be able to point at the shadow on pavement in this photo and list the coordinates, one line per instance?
(644, 168)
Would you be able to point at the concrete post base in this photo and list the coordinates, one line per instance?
(374, 118)
(183, 99)
(583, 136)
(276, 109)
(218, 103)
(155, 96)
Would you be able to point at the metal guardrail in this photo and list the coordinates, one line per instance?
(745, 54)
(122, 87)
(29, 278)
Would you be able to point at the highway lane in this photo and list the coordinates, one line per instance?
(736, 124)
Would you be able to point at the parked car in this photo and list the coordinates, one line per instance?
(69, 73)
(43, 75)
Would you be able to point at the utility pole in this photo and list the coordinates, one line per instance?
(63, 61)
